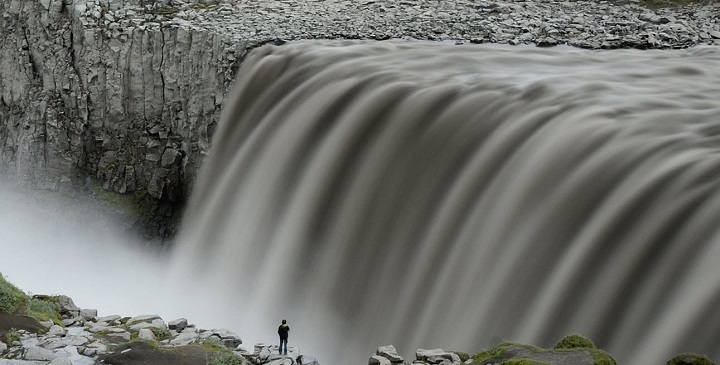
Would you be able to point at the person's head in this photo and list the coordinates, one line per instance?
(284, 321)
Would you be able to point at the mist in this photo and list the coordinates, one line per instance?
(58, 245)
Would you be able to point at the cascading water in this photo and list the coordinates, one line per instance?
(453, 196)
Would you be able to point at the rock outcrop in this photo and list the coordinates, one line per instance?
(84, 338)
(127, 94)
(129, 102)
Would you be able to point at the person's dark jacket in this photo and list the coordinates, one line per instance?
(283, 331)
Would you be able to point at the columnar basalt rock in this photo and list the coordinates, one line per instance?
(130, 102)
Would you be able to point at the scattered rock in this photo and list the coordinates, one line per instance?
(378, 360)
(178, 324)
(389, 352)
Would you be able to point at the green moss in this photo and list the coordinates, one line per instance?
(10, 296)
(601, 357)
(44, 310)
(463, 356)
(494, 352)
(160, 333)
(574, 342)
(213, 343)
(226, 358)
(690, 358)
(499, 354)
(11, 336)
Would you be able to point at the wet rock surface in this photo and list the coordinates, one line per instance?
(128, 95)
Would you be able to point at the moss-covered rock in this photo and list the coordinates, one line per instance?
(690, 358)
(574, 342)
(576, 350)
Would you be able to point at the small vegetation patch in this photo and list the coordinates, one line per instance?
(161, 333)
(226, 358)
(11, 336)
(10, 296)
(463, 356)
(44, 310)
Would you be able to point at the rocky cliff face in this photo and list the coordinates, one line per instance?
(105, 93)
(129, 102)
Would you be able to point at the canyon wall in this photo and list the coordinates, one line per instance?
(127, 102)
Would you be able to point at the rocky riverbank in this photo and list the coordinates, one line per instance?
(52, 330)
(83, 338)
(125, 95)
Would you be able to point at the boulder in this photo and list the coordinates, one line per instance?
(56, 330)
(68, 309)
(184, 338)
(378, 360)
(61, 361)
(38, 353)
(437, 356)
(155, 324)
(307, 360)
(284, 361)
(227, 337)
(264, 354)
(147, 318)
(146, 334)
(108, 319)
(88, 314)
(178, 324)
(389, 352)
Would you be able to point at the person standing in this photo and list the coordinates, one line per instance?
(283, 332)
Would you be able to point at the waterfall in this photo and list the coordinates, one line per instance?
(433, 195)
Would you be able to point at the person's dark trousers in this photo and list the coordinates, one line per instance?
(283, 341)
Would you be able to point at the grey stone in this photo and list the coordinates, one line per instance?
(88, 314)
(56, 330)
(184, 338)
(178, 324)
(38, 353)
(227, 337)
(67, 306)
(436, 356)
(155, 324)
(146, 334)
(378, 360)
(108, 319)
(389, 352)
(143, 318)
(60, 361)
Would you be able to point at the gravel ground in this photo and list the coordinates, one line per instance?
(586, 24)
